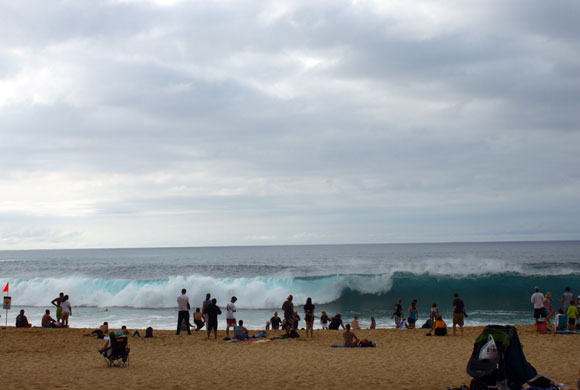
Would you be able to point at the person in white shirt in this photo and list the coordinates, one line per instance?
(230, 316)
(538, 301)
(183, 307)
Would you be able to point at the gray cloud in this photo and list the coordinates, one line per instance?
(210, 123)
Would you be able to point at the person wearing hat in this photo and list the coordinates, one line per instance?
(288, 308)
(538, 301)
(548, 307)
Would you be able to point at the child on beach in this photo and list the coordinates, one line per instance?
(324, 320)
(572, 313)
(373, 323)
(354, 324)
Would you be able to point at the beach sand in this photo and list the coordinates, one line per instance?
(404, 359)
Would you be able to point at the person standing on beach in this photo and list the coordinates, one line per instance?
(183, 315)
(566, 299)
(212, 311)
(548, 307)
(398, 313)
(538, 301)
(275, 321)
(458, 313)
(56, 302)
(204, 305)
(309, 317)
(230, 316)
(288, 308)
(66, 310)
(412, 314)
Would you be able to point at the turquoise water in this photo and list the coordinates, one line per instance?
(138, 287)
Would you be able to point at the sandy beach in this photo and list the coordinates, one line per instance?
(405, 359)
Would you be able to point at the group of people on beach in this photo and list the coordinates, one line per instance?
(565, 318)
(63, 312)
(435, 322)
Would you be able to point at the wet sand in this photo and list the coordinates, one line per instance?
(404, 359)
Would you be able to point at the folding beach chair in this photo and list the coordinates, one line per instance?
(117, 355)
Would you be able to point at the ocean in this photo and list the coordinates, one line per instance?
(139, 287)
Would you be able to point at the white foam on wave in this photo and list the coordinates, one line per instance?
(252, 293)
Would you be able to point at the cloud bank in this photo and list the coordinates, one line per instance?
(192, 123)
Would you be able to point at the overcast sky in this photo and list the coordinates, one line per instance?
(252, 122)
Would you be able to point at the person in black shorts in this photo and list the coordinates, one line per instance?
(309, 317)
(288, 308)
(212, 311)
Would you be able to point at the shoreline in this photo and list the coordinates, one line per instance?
(65, 358)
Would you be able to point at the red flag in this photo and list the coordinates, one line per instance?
(5, 288)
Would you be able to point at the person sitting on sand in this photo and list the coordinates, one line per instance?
(102, 331)
(373, 323)
(561, 320)
(275, 321)
(47, 321)
(107, 349)
(198, 319)
(439, 326)
(22, 321)
(240, 332)
(335, 322)
(354, 324)
(349, 337)
(126, 332)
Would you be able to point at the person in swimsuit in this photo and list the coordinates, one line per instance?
(373, 323)
(412, 314)
(309, 317)
(56, 302)
(354, 324)
(434, 312)
(198, 319)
